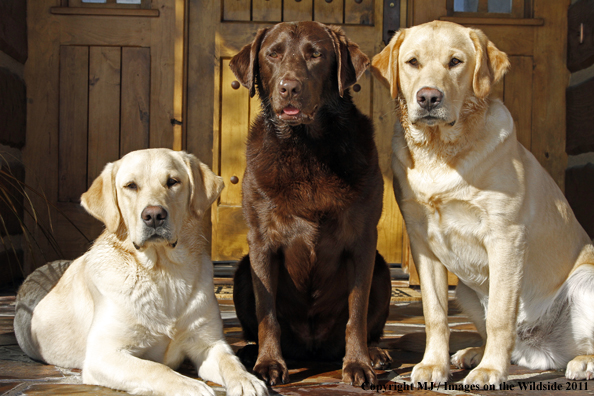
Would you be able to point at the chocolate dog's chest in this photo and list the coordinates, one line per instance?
(308, 186)
(308, 205)
(311, 223)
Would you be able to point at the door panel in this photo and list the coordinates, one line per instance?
(235, 121)
(297, 10)
(236, 10)
(267, 10)
(74, 77)
(328, 12)
(135, 80)
(104, 109)
(90, 112)
(361, 93)
(358, 13)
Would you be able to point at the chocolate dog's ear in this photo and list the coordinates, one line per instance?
(352, 62)
(491, 63)
(384, 65)
(101, 199)
(245, 64)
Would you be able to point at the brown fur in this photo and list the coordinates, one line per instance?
(312, 197)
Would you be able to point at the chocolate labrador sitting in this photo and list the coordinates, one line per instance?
(313, 285)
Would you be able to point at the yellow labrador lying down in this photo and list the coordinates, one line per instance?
(478, 204)
(142, 298)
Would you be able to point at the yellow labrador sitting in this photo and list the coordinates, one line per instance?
(141, 300)
(478, 204)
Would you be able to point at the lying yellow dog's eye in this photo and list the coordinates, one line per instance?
(455, 62)
(172, 182)
(413, 62)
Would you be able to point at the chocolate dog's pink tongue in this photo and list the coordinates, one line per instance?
(290, 110)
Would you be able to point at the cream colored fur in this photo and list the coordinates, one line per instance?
(141, 300)
(478, 204)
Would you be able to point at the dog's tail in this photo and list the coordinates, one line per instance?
(32, 291)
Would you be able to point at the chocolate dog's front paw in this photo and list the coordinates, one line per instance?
(380, 358)
(357, 373)
(273, 371)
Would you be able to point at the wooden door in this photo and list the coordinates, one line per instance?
(533, 33)
(233, 23)
(102, 80)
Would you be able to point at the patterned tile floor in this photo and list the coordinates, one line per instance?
(404, 337)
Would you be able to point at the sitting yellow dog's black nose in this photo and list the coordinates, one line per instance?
(429, 98)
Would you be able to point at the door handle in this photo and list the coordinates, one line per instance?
(391, 19)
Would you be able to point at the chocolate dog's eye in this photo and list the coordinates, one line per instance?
(413, 62)
(131, 186)
(273, 55)
(455, 62)
(316, 54)
(172, 182)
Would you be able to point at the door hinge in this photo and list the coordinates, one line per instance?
(391, 19)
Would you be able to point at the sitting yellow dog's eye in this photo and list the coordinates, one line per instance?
(316, 54)
(413, 62)
(131, 186)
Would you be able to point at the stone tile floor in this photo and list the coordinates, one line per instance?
(404, 337)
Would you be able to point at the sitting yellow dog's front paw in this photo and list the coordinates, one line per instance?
(427, 373)
(485, 376)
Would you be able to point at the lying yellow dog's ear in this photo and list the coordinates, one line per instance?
(384, 65)
(205, 185)
(101, 199)
(491, 64)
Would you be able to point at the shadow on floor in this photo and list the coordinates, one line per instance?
(404, 337)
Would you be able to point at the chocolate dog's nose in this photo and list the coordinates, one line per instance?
(154, 216)
(289, 88)
(429, 98)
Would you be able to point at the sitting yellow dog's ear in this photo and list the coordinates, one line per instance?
(384, 65)
(101, 199)
(491, 64)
